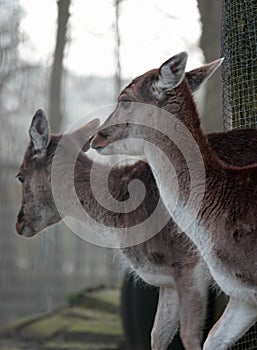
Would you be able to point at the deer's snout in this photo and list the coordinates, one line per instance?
(100, 140)
(21, 227)
(20, 223)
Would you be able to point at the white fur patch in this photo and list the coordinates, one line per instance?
(156, 278)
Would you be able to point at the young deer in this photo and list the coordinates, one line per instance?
(225, 227)
(166, 260)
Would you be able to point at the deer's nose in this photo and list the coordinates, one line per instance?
(100, 140)
(20, 222)
(20, 226)
(103, 133)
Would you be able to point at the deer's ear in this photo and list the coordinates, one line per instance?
(39, 133)
(83, 135)
(198, 76)
(171, 72)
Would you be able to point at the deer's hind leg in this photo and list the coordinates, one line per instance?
(166, 319)
(192, 289)
(237, 318)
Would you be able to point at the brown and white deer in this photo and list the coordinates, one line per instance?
(225, 228)
(165, 260)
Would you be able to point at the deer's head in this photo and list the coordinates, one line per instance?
(38, 209)
(164, 87)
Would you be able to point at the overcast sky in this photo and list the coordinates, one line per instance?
(151, 32)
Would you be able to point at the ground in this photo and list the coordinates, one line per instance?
(91, 321)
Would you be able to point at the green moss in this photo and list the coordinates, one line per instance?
(84, 313)
(105, 325)
(46, 327)
(111, 296)
(102, 299)
(77, 346)
(94, 325)
(22, 322)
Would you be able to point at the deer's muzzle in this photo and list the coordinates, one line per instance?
(22, 228)
(99, 141)
(19, 226)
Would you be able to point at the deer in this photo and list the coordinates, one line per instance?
(168, 260)
(224, 229)
(163, 255)
(152, 260)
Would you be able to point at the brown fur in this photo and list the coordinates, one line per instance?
(226, 227)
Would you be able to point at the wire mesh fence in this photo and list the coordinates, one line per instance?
(239, 84)
(248, 341)
(239, 69)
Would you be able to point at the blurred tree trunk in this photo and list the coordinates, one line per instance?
(211, 12)
(55, 91)
(10, 39)
(117, 77)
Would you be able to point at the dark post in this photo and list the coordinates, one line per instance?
(55, 113)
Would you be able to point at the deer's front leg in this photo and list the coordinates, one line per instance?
(166, 319)
(237, 318)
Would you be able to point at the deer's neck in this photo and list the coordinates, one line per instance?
(103, 192)
(91, 186)
(183, 107)
(180, 168)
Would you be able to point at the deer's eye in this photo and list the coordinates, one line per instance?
(20, 178)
